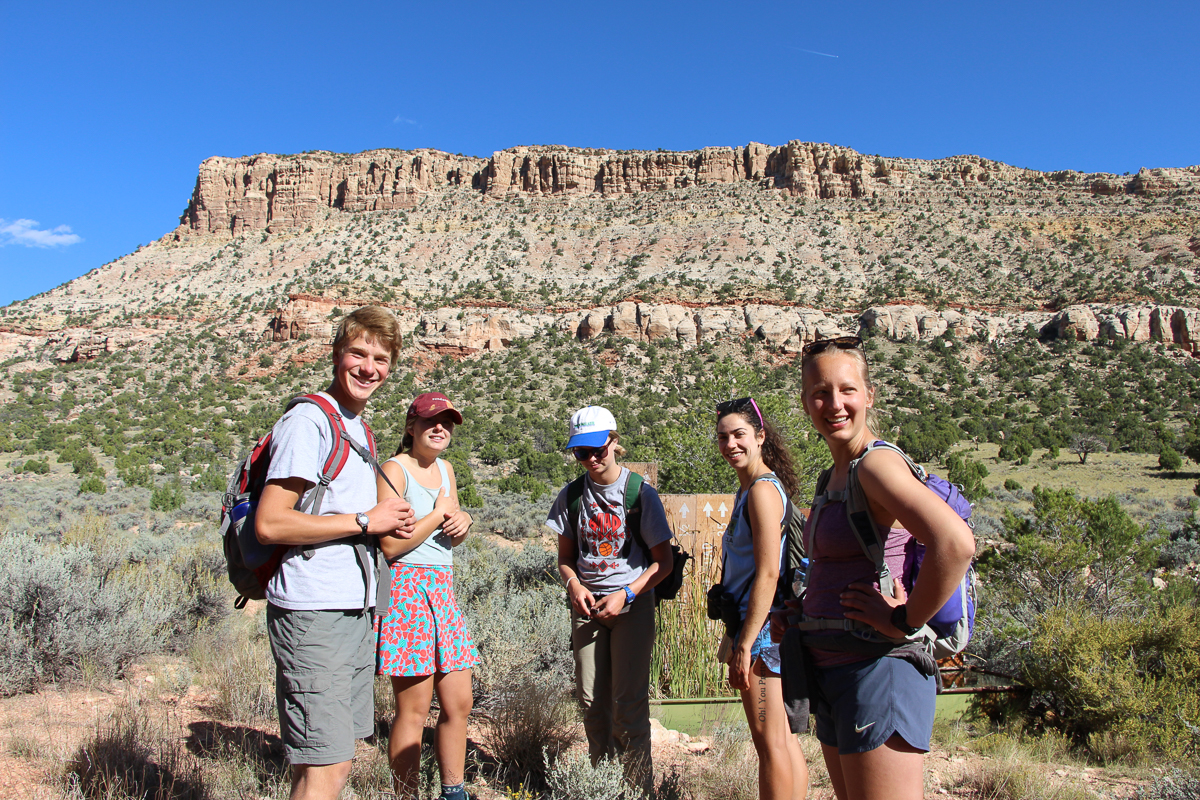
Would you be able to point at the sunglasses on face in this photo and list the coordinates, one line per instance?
(821, 345)
(584, 453)
(740, 404)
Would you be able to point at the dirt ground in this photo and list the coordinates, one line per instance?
(39, 734)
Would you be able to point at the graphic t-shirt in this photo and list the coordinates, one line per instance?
(602, 565)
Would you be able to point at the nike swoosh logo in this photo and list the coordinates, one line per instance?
(860, 729)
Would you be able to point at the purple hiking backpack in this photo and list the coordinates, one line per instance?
(954, 623)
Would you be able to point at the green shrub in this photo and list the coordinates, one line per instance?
(96, 602)
(1133, 678)
(167, 497)
(211, 480)
(1169, 460)
(514, 607)
(1177, 785)
(969, 474)
(93, 484)
(36, 467)
(572, 777)
(1012, 485)
(1071, 549)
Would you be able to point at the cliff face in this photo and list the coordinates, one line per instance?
(241, 195)
(278, 193)
(464, 331)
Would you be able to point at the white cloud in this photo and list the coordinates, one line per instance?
(26, 232)
(403, 120)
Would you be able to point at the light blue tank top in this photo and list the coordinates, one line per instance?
(737, 547)
(435, 551)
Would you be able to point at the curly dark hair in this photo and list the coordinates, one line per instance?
(775, 451)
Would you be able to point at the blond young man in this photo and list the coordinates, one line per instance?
(321, 600)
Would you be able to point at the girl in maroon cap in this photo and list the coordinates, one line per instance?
(424, 645)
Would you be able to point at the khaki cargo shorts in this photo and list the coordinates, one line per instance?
(324, 675)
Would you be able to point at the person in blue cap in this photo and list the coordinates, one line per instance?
(614, 546)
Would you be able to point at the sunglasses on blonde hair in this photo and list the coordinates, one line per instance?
(821, 345)
(741, 404)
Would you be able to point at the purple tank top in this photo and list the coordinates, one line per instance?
(835, 561)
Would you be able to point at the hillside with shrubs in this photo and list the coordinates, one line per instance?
(1081, 454)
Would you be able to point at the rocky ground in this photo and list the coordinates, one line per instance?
(41, 732)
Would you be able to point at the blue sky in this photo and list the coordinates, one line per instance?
(107, 109)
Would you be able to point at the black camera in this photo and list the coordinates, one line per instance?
(723, 606)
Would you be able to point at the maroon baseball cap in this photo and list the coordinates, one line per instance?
(431, 404)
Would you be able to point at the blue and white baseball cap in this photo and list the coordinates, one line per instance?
(590, 427)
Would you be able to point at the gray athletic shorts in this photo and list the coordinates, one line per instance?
(324, 676)
(859, 706)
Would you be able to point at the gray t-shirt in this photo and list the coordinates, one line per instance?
(332, 578)
(602, 517)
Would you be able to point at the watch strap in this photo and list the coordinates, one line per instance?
(629, 595)
(900, 620)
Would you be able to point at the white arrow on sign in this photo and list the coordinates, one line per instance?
(722, 510)
(708, 509)
(683, 510)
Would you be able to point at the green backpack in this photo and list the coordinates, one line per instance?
(668, 587)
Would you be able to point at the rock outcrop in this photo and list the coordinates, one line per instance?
(277, 193)
(462, 331)
(1073, 322)
(265, 192)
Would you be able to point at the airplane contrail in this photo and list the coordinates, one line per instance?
(814, 52)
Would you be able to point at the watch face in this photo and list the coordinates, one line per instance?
(362, 519)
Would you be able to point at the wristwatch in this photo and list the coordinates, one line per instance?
(363, 520)
(900, 620)
(629, 595)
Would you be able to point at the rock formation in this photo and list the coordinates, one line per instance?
(278, 193)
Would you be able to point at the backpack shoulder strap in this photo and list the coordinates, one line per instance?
(634, 485)
(370, 440)
(339, 451)
(633, 491)
(858, 512)
(574, 501)
(917, 470)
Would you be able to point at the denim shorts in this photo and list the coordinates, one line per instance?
(764, 648)
(859, 706)
(324, 682)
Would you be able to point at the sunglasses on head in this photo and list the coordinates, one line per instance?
(584, 453)
(740, 404)
(821, 345)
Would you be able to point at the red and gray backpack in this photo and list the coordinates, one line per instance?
(251, 563)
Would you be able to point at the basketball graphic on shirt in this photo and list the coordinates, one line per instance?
(605, 535)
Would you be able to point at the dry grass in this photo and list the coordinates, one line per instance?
(1010, 778)
(234, 661)
(1102, 475)
(529, 723)
(129, 756)
(684, 662)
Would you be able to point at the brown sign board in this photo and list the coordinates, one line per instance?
(699, 521)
